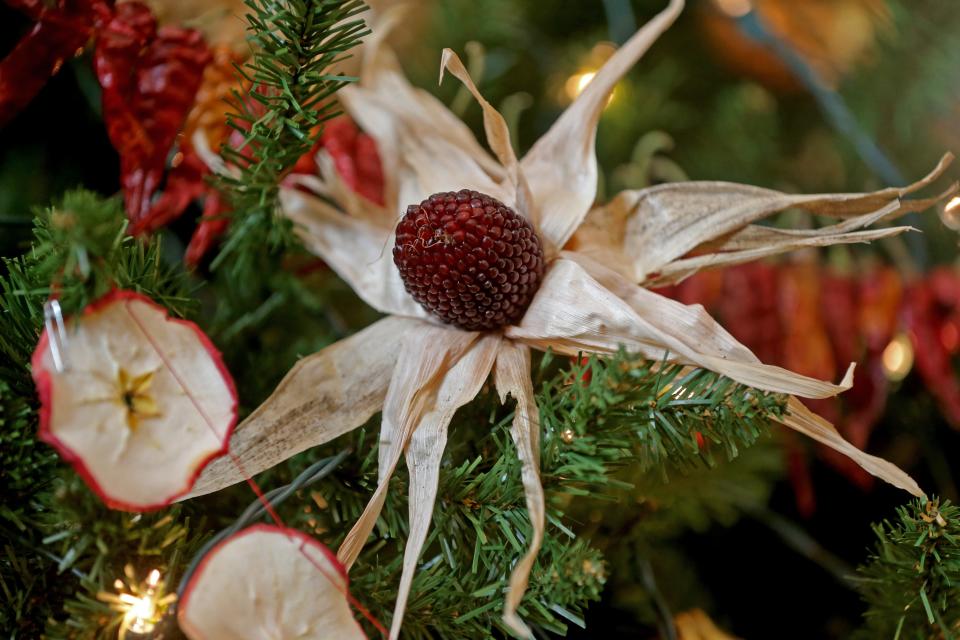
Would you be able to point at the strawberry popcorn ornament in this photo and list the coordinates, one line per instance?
(477, 259)
(268, 582)
(137, 401)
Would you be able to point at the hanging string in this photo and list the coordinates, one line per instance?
(314, 473)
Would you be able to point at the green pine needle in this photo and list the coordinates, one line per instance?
(295, 44)
(911, 583)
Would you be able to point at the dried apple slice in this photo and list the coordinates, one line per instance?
(268, 582)
(141, 405)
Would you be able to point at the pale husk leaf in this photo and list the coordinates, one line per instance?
(498, 135)
(561, 168)
(460, 385)
(574, 312)
(512, 378)
(800, 418)
(681, 269)
(358, 249)
(418, 138)
(268, 582)
(431, 165)
(323, 396)
(330, 185)
(428, 352)
(383, 77)
(642, 232)
(417, 159)
(759, 237)
(754, 241)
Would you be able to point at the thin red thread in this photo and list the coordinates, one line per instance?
(250, 481)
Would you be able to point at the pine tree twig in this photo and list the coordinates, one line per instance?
(295, 46)
(911, 583)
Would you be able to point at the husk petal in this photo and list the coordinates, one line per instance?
(323, 396)
(358, 249)
(646, 234)
(428, 353)
(580, 313)
(513, 378)
(460, 385)
(574, 312)
(330, 185)
(802, 419)
(423, 146)
(498, 135)
(561, 168)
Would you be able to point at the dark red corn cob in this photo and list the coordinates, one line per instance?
(469, 259)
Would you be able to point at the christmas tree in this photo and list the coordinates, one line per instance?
(579, 288)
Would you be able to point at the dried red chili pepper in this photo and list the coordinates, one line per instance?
(929, 306)
(61, 31)
(838, 312)
(881, 296)
(706, 288)
(748, 309)
(798, 473)
(214, 99)
(878, 299)
(355, 157)
(213, 224)
(149, 79)
(806, 347)
(186, 183)
(33, 9)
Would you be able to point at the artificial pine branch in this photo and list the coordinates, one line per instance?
(260, 294)
(295, 44)
(101, 548)
(80, 250)
(911, 583)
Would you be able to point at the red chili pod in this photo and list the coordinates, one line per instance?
(704, 288)
(355, 157)
(61, 31)
(748, 309)
(213, 224)
(186, 182)
(924, 317)
(838, 312)
(149, 79)
(806, 347)
(881, 295)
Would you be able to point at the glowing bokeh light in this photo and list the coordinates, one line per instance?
(898, 358)
(578, 82)
(735, 8)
